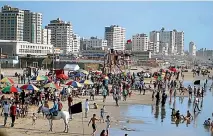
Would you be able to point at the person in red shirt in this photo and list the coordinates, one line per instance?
(13, 114)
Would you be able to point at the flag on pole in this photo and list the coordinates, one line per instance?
(76, 108)
(197, 82)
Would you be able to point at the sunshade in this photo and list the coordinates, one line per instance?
(76, 84)
(41, 78)
(79, 74)
(51, 85)
(7, 80)
(86, 82)
(10, 89)
(29, 87)
(69, 83)
(62, 76)
(83, 71)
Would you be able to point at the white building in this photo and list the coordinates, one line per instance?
(32, 26)
(75, 48)
(94, 43)
(140, 42)
(174, 39)
(192, 49)
(61, 34)
(163, 48)
(11, 23)
(168, 37)
(179, 42)
(115, 36)
(154, 38)
(22, 48)
(21, 25)
(45, 36)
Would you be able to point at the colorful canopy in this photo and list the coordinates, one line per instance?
(51, 85)
(69, 83)
(76, 84)
(41, 78)
(86, 82)
(10, 89)
(7, 80)
(79, 74)
(29, 87)
(83, 71)
(62, 76)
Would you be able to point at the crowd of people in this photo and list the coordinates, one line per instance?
(120, 85)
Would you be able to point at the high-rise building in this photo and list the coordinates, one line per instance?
(163, 48)
(115, 36)
(140, 42)
(46, 36)
(174, 39)
(11, 23)
(61, 34)
(154, 39)
(192, 49)
(20, 25)
(179, 42)
(32, 26)
(75, 48)
(168, 37)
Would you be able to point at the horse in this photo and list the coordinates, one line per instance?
(61, 115)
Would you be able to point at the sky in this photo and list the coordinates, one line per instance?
(90, 18)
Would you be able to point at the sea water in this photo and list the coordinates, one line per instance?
(157, 120)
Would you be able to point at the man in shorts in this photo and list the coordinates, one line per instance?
(93, 120)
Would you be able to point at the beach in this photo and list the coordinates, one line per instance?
(78, 126)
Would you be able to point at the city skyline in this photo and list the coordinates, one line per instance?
(194, 18)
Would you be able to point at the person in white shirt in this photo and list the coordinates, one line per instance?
(196, 104)
(6, 110)
(86, 107)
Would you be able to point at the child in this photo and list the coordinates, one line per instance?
(108, 124)
(95, 106)
(102, 114)
(34, 118)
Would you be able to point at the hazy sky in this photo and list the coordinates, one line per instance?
(90, 18)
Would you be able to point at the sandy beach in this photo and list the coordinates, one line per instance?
(78, 125)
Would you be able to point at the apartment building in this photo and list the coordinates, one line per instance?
(140, 42)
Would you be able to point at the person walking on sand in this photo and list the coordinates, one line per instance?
(13, 110)
(93, 120)
(86, 107)
(6, 110)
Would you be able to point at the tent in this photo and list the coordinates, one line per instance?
(72, 67)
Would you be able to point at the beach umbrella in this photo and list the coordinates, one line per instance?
(11, 89)
(69, 83)
(42, 78)
(76, 84)
(51, 85)
(62, 76)
(83, 71)
(7, 80)
(86, 82)
(79, 74)
(29, 87)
